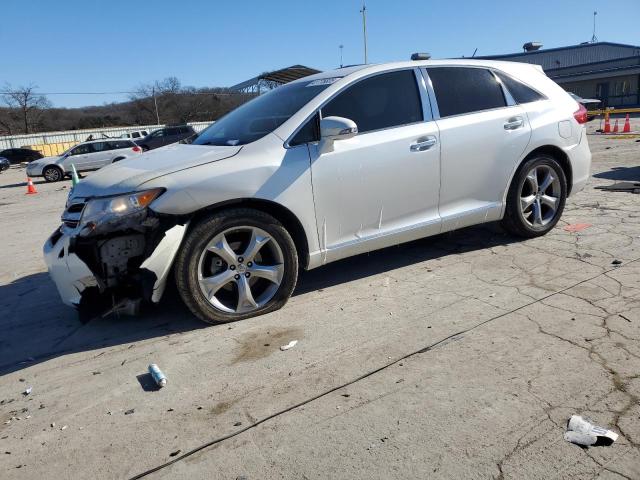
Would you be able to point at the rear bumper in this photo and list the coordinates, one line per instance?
(83, 288)
(580, 159)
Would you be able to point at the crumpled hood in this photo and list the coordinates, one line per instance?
(127, 175)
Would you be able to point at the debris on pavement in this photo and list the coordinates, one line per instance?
(577, 227)
(64, 427)
(157, 375)
(27, 391)
(173, 454)
(130, 411)
(289, 345)
(616, 262)
(582, 431)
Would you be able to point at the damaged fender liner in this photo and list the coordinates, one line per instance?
(120, 260)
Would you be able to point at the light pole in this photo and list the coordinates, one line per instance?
(594, 39)
(364, 29)
(341, 47)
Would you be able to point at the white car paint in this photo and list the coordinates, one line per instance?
(351, 198)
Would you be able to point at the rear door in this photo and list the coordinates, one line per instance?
(483, 134)
(380, 187)
(102, 155)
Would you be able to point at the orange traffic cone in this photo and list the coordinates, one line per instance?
(627, 125)
(30, 188)
(607, 125)
(615, 126)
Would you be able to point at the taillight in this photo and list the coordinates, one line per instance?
(137, 149)
(581, 114)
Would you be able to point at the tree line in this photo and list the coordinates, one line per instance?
(23, 110)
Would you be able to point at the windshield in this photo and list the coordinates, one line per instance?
(262, 115)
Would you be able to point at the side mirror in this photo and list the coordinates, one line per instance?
(335, 128)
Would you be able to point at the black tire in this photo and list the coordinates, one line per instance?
(52, 174)
(117, 159)
(188, 258)
(145, 148)
(514, 220)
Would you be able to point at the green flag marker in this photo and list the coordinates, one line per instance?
(74, 176)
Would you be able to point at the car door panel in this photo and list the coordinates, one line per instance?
(478, 157)
(373, 190)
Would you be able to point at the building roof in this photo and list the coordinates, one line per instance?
(573, 55)
(279, 77)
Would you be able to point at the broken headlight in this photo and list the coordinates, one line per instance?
(114, 212)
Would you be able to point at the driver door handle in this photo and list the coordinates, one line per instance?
(514, 123)
(423, 144)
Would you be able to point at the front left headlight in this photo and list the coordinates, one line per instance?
(110, 211)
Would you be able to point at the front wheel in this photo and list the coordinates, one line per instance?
(52, 174)
(536, 197)
(236, 264)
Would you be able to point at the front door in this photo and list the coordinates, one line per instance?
(380, 187)
(482, 140)
(80, 157)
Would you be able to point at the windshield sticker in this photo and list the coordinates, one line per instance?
(323, 81)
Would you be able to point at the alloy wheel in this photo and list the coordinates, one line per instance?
(540, 196)
(240, 269)
(52, 175)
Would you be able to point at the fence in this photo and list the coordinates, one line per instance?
(75, 136)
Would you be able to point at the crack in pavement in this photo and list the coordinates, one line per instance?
(426, 349)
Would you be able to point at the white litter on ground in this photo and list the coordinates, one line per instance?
(289, 345)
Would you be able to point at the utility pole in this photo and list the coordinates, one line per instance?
(155, 102)
(341, 47)
(594, 39)
(364, 29)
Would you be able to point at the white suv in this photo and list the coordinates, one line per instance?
(326, 167)
(84, 157)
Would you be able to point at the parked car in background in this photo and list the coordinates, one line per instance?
(135, 135)
(20, 155)
(323, 168)
(85, 157)
(166, 136)
(4, 164)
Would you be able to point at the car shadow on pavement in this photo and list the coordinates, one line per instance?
(23, 184)
(621, 173)
(391, 258)
(35, 326)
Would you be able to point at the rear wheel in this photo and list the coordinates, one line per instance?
(52, 174)
(536, 197)
(236, 264)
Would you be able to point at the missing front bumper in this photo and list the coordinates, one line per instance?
(111, 278)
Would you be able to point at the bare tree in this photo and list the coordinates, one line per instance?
(27, 104)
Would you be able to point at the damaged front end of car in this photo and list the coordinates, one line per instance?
(113, 253)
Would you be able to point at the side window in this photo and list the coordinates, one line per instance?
(518, 90)
(309, 133)
(82, 149)
(384, 101)
(135, 135)
(102, 146)
(464, 90)
(158, 133)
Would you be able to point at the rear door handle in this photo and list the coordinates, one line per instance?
(423, 144)
(514, 123)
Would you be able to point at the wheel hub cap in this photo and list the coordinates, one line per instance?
(540, 196)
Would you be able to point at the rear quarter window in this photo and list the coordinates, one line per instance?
(520, 92)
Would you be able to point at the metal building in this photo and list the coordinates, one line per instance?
(270, 80)
(604, 70)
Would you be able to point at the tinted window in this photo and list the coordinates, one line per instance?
(117, 144)
(309, 133)
(463, 90)
(135, 135)
(82, 149)
(102, 146)
(519, 91)
(157, 133)
(383, 101)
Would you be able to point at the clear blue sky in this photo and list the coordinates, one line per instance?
(85, 45)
